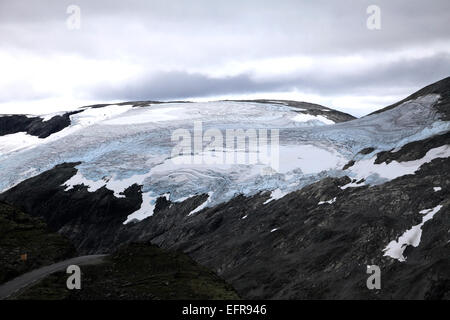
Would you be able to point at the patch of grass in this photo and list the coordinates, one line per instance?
(138, 271)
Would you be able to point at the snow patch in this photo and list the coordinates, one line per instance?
(436, 189)
(203, 205)
(154, 114)
(366, 168)
(412, 237)
(47, 117)
(329, 201)
(275, 195)
(21, 140)
(117, 186)
(17, 141)
(147, 207)
(303, 117)
(179, 200)
(352, 185)
(79, 179)
(92, 116)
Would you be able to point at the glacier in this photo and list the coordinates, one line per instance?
(122, 145)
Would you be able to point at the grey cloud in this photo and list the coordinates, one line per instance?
(184, 35)
(400, 77)
(179, 85)
(235, 28)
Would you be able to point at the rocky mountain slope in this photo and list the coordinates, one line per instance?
(441, 88)
(137, 271)
(21, 234)
(134, 271)
(346, 195)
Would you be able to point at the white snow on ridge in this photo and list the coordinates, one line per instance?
(179, 200)
(411, 237)
(203, 205)
(303, 117)
(275, 195)
(367, 167)
(22, 141)
(48, 116)
(92, 116)
(17, 141)
(352, 185)
(154, 114)
(224, 110)
(147, 207)
(329, 201)
(118, 186)
(79, 179)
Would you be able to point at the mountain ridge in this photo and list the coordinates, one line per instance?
(308, 231)
(440, 87)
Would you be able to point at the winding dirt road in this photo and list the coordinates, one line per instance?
(25, 280)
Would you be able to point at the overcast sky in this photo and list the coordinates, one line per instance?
(317, 51)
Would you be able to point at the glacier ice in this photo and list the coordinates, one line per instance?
(121, 145)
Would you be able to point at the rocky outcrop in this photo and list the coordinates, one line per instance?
(414, 150)
(34, 126)
(83, 216)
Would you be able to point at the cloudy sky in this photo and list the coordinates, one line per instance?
(316, 51)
